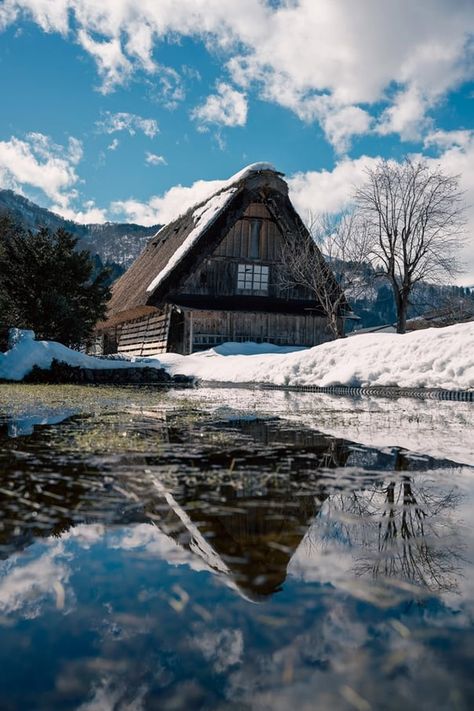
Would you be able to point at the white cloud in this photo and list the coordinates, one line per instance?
(167, 87)
(112, 65)
(37, 162)
(113, 145)
(154, 159)
(459, 160)
(322, 59)
(328, 191)
(123, 121)
(315, 191)
(89, 213)
(341, 124)
(406, 116)
(228, 107)
(448, 139)
(161, 209)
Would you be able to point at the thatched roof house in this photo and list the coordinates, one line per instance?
(214, 275)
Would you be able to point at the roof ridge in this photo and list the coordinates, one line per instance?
(242, 174)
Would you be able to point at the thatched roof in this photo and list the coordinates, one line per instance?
(185, 242)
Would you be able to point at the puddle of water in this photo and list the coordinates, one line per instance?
(210, 551)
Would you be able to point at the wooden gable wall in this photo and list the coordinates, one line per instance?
(255, 239)
(246, 242)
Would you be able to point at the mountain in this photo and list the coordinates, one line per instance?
(114, 242)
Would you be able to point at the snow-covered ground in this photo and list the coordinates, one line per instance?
(442, 357)
(17, 362)
(437, 357)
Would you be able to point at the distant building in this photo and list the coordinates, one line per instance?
(214, 275)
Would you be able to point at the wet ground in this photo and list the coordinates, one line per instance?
(234, 550)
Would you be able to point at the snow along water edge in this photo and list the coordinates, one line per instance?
(430, 358)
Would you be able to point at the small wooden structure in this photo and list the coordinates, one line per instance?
(215, 275)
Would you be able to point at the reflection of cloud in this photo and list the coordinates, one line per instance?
(110, 694)
(20, 426)
(26, 587)
(224, 648)
(85, 534)
(149, 538)
(28, 584)
(326, 564)
(389, 534)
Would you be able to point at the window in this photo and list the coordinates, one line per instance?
(252, 278)
(254, 243)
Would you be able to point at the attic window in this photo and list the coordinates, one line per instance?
(252, 278)
(254, 243)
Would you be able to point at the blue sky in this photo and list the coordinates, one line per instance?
(106, 108)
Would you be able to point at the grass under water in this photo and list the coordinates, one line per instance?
(163, 550)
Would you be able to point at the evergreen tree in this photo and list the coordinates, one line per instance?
(48, 285)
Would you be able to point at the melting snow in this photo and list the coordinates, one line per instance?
(26, 353)
(436, 357)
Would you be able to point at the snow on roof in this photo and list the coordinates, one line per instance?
(202, 218)
(245, 172)
(204, 214)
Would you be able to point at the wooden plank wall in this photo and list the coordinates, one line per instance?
(145, 336)
(217, 276)
(237, 242)
(214, 327)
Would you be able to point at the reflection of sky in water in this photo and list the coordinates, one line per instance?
(21, 426)
(239, 562)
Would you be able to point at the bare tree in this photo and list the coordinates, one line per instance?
(330, 265)
(414, 216)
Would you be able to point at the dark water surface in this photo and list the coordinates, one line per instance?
(172, 552)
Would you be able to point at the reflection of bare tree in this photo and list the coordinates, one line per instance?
(400, 529)
(414, 541)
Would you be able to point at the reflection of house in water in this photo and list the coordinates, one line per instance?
(243, 507)
(248, 521)
(239, 494)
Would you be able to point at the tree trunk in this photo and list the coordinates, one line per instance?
(336, 325)
(402, 320)
(401, 302)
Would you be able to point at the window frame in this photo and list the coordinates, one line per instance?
(253, 278)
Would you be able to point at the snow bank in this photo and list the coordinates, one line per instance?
(17, 362)
(436, 357)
